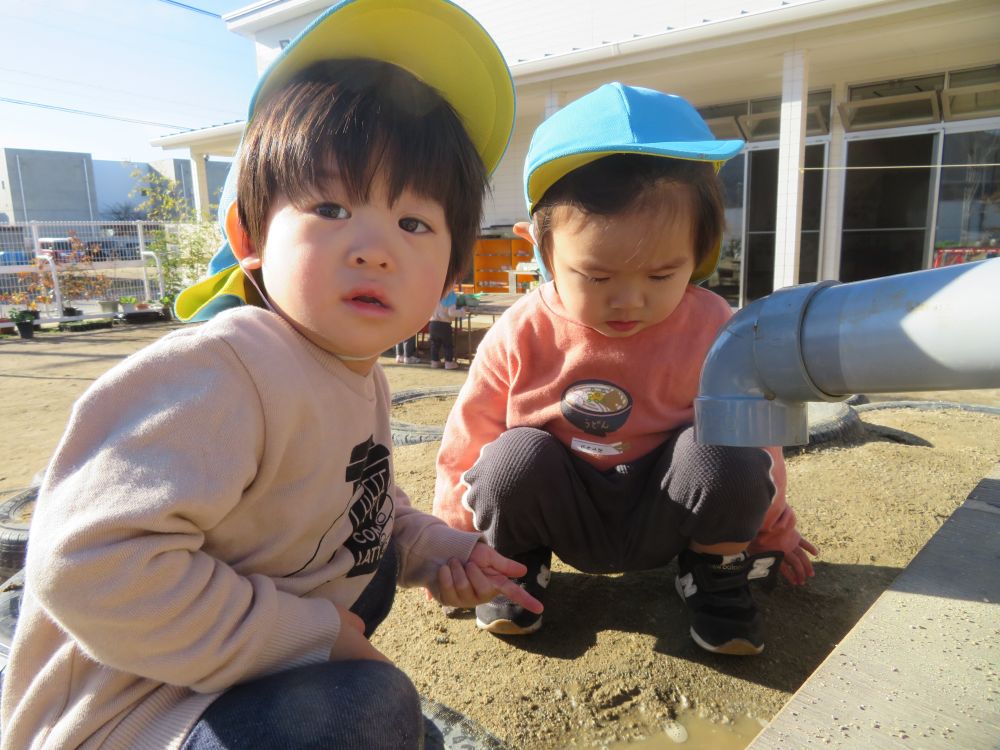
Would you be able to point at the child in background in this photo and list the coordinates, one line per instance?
(441, 335)
(406, 352)
(573, 433)
(219, 529)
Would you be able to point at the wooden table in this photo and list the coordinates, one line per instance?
(493, 305)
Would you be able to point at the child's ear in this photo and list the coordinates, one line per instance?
(239, 240)
(523, 230)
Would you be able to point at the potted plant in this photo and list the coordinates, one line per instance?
(167, 301)
(141, 305)
(24, 320)
(127, 303)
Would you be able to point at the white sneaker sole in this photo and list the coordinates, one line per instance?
(508, 627)
(735, 647)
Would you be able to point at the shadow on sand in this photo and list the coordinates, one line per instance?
(802, 624)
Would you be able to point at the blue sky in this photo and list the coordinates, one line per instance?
(146, 60)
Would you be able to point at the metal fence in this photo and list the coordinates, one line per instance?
(70, 269)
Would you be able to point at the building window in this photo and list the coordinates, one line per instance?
(890, 104)
(762, 211)
(974, 77)
(886, 206)
(722, 120)
(972, 93)
(726, 279)
(763, 123)
(760, 119)
(968, 215)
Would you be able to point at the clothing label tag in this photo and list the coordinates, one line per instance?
(597, 449)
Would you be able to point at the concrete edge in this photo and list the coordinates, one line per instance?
(920, 667)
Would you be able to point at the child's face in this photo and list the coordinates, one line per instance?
(356, 278)
(623, 273)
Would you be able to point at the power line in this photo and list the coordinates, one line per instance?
(133, 94)
(192, 8)
(897, 166)
(40, 105)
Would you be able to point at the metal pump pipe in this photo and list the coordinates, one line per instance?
(928, 330)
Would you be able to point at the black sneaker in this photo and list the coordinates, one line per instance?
(716, 590)
(501, 616)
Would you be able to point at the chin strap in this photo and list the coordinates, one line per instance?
(252, 280)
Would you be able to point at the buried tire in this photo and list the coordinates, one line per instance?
(448, 729)
(405, 433)
(828, 422)
(10, 609)
(15, 519)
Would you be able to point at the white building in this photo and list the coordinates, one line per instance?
(873, 126)
(39, 185)
(54, 185)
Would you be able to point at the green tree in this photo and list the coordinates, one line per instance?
(123, 211)
(182, 240)
(162, 198)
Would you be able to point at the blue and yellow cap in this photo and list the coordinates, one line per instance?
(435, 41)
(619, 119)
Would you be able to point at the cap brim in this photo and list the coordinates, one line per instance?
(438, 42)
(221, 290)
(555, 167)
(716, 153)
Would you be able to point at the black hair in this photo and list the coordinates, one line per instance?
(362, 118)
(622, 183)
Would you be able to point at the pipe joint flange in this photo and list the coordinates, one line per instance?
(777, 347)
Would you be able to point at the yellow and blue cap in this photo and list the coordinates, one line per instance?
(436, 41)
(619, 119)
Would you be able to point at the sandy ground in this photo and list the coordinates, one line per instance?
(613, 663)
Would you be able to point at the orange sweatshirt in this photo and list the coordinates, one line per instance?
(610, 400)
(213, 497)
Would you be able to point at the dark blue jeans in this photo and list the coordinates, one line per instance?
(337, 704)
(442, 341)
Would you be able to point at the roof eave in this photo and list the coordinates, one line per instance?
(729, 32)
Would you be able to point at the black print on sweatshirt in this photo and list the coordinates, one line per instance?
(371, 506)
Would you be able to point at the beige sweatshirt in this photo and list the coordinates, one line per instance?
(212, 497)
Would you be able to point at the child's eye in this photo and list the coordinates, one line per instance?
(413, 226)
(597, 279)
(332, 211)
(664, 277)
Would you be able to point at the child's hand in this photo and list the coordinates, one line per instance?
(351, 642)
(487, 574)
(796, 566)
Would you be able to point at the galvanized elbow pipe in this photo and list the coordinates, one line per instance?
(928, 330)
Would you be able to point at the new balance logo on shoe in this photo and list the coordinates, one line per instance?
(502, 617)
(723, 617)
(687, 585)
(544, 576)
(761, 567)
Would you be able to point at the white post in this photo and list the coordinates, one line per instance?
(57, 293)
(791, 159)
(551, 104)
(159, 272)
(199, 173)
(34, 236)
(833, 216)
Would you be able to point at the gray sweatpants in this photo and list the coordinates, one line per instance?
(529, 493)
